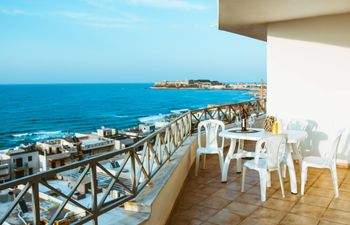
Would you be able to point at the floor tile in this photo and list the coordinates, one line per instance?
(288, 196)
(308, 210)
(207, 223)
(198, 212)
(293, 219)
(340, 205)
(215, 202)
(226, 194)
(268, 215)
(320, 192)
(242, 209)
(315, 200)
(225, 217)
(337, 216)
(183, 220)
(345, 187)
(344, 195)
(325, 222)
(278, 204)
(250, 199)
(254, 221)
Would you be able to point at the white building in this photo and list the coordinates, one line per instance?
(55, 153)
(106, 132)
(24, 161)
(92, 144)
(4, 167)
(308, 52)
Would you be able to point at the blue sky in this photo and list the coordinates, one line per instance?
(87, 41)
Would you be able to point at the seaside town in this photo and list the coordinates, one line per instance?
(208, 85)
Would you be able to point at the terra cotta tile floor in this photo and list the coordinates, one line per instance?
(205, 200)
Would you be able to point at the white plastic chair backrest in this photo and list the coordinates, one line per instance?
(332, 155)
(211, 127)
(297, 125)
(272, 149)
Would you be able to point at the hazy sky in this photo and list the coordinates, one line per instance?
(79, 41)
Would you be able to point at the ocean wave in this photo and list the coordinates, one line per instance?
(179, 111)
(39, 135)
(153, 119)
(121, 116)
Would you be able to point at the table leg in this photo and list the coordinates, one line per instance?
(291, 170)
(239, 160)
(228, 158)
(295, 149)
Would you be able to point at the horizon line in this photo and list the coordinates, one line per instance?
(60, 83)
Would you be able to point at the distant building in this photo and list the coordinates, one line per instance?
(93, 144)
(123, 142)
(147, 128)
(204, 85)
(106, 132)
(4, 168)
(57, 152)
(24, 160)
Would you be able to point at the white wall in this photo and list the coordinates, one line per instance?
(308, 76)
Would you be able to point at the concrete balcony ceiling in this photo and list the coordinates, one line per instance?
(250, 17)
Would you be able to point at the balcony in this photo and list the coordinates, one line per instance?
(205, 200)
(4, 170)
(21, 167)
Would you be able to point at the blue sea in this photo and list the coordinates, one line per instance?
(30, 113)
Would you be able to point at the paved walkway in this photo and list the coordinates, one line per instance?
(207, 201)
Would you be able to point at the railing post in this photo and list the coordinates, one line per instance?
(94, 187)
(35, 202)
(133, 171)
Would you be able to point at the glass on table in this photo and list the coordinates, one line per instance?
(251, 121)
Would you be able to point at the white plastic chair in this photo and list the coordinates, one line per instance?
(296, 124)
(269, 154)
(212, 128)
(328, 161)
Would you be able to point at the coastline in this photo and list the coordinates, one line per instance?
(251, 91)
(209, 89)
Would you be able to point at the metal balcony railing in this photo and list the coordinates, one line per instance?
(142, 161)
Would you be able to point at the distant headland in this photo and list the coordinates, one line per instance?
(209, 85)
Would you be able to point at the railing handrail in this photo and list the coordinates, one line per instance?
(83, 162)
(224, 105)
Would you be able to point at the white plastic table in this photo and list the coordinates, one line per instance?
(293, 137)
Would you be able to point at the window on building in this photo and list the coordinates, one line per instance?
(30, 158)
(30, 171)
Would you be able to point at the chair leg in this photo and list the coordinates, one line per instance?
(221, 160)
(268, 179)
(281, 181)
(263, 182)
(284, 172)
(198, 156)
(303, 177)
(239, 160)
(243, 177)
(335, 179)
(204, 160)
